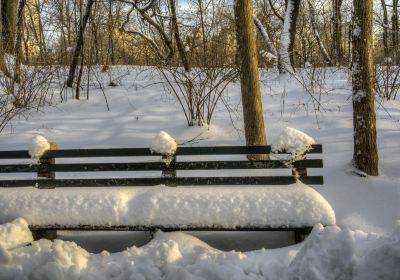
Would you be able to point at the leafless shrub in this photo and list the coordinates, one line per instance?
(34, 91)
(387, 80)
(198, 91)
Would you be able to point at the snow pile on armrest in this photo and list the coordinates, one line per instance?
(293, 141)
(15, 234)
(163, 144)
(38, 146)
(275, 206)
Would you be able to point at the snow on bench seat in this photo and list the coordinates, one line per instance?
(294, 205)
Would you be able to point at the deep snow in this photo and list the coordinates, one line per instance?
(296, 205)
(363, 245)
(328, 253)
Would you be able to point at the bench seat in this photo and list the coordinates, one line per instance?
(207, 207)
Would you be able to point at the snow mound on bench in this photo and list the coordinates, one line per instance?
(294, 205)
(163, 144)
(15, 234)
(293, 141)
(38, 146)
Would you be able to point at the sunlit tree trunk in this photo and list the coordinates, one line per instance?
(365, 154)
(250, 84)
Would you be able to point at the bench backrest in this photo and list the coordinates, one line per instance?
(47, 170)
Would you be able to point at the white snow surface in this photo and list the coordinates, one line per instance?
(293, 141)
(37, 147)
(163, 144)
(292, 206)
(366, 208)
(328, 253)
(15, 234)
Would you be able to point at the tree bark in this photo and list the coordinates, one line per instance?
(18, 41)
(288, 36)
(79, 44)
(314, 26)
(365, 156)
(250, 84)
(395, 32)
(385, 30)
(337, 32)
(3, 66)
(9, 21)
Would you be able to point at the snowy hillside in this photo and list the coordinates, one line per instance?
(365, 244)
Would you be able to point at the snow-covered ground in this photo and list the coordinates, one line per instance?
(364, 245)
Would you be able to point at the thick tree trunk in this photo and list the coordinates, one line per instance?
(9, 20)
(365, 154)
(337, 32)
(250, 84)
(79, 44)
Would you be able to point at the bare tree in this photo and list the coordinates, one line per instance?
(250, 84)
(337, 31)
(288, 36)
(3, 66)
(365, 154)
(317, 36)
(79, 44)
(9, 21)
(18, 41)
(385, 27)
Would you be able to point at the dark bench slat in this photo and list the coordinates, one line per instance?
(147, 166)
(152, 181)
(125, 152)
(166, 228)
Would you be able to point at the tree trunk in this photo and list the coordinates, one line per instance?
(288, 36)
(18, 41)
(314, 26)
(9, 20)
(365, 154)
(395, 32)
(385, 30)
(3, 66)
(79, 44)
(337, 32)
(250, 84)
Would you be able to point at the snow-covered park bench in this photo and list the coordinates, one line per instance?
(60, 195)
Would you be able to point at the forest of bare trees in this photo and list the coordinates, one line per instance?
(199, 44)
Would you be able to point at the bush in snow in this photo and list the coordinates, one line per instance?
(163, 144)
(294, 142)
(38, 146)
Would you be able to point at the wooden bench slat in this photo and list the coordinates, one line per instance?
(151, 166)
(125, 152)
(166, 228)
(152, 181)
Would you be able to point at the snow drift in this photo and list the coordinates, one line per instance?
(328, 253)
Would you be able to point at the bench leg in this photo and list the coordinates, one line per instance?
(300, 235)
(50, 234)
